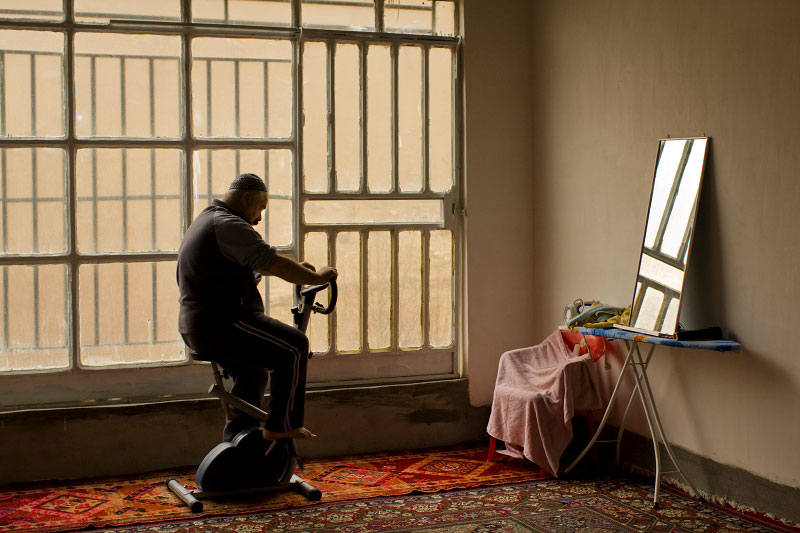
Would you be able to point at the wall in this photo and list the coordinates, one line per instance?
(566, 101)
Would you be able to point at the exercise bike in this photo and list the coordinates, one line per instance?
(249, 464)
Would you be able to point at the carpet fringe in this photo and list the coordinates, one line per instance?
(719, 500)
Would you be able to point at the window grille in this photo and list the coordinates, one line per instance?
(119, 125)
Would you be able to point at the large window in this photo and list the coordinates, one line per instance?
(120, 121)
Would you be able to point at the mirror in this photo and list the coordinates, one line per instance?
(668, 235)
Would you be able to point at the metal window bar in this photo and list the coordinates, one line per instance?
(29, 12)
(5, 307)
(363, 50)
(2, 93)
(330, 62)
(395, 81)
(379, 7)
(395, 244)
(426, 175)
(4, 195)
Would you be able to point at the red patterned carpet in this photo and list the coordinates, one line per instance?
(143, 499)
(554, 505)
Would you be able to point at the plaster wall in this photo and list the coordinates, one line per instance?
(565, 103)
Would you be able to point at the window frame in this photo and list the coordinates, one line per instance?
(78, 385)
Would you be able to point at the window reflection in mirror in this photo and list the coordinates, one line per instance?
(670, 221)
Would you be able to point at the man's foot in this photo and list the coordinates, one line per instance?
(298, 433)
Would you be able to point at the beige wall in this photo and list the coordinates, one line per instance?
(565, 103)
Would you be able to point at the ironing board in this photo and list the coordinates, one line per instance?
(638, 365)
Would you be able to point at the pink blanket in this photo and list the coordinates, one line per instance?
(536, 394)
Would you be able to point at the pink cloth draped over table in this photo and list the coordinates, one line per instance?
(537, 392)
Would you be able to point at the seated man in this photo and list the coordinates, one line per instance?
(220, 263)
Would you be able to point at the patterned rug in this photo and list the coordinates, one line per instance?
(543, 506)
(146, 499)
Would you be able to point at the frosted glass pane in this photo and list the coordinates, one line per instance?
(410, 282)
(129, 200)
(103, 11)
(373, 211)
(409, 109)
(440, 119)
(379, 286)
(33, 315)
(347, 89)
(129, 314)
(52, 10)
(379, 119)
(440, 310)
(32, 89)
(32, 201)
(444, 17)
(280, 295)
(243, 12)
(420, 16)
(122, 79)
(357, 15)
(410, 16)
(242, 88)
(348, 307)
(316, 253)
(315, 117)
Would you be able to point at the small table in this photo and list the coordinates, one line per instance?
(638, 365)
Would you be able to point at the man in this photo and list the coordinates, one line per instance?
(220, 263)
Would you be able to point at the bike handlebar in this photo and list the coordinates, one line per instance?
(313, 290)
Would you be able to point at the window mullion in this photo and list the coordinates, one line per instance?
(296, 14)
(379, 26)
(363, 118)
(426, 288)
(73, 315)
(395, 150)
(188, 159)
(426, 174)
(2, 94)
(297, 130)
(331, 80)
(363, 235)
(394, 342)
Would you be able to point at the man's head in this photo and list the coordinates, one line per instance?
(248, 195)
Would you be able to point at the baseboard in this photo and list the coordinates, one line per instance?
(717, 482)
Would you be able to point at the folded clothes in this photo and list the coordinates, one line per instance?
(601, 316)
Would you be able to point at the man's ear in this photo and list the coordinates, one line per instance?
(248, 197)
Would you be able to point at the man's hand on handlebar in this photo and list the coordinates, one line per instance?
(303, 273)
(326, 274)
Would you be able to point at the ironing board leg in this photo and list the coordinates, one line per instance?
(638, 365)
(654, 421)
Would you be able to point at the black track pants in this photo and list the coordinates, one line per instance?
(254, 350)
